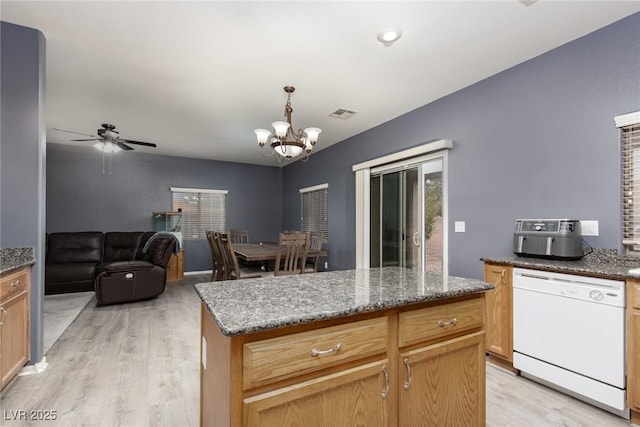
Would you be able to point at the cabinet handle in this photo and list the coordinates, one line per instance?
(502, 276)
(387, 383)
(3, 315)
(451, 322)
(334, 349)
(15, 283)
(407, 383)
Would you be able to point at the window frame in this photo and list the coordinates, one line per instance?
(629, 172)
(201, 224)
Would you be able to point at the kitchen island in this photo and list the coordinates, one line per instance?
(373, 347)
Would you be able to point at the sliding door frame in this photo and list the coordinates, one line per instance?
(420, 154)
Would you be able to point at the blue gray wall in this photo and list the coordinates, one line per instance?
(81, 198)
(537, 140)
(22, 162)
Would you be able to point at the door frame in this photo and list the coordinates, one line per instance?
(420, 154)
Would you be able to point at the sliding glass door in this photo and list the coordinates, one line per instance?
(406, 222)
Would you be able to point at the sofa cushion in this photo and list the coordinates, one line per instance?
(80, 247)
(121, 245)
(69, 277)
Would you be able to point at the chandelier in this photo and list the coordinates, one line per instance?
(286, 142)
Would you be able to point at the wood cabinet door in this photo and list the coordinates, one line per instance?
(14, 337)
(443, 384)
(499, 315)
(348, 398)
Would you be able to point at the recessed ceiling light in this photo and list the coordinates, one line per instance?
(528, 2)
(389, 35)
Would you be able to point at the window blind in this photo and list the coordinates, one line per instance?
(202, 210)
(630, 140)
(314, 210)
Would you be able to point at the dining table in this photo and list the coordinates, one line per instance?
(265, 252)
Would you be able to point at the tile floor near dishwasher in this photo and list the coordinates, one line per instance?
(138, 365)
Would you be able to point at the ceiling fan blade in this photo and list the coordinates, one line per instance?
(70, 131)
(146, 144)
(122, 145)
(91, 139)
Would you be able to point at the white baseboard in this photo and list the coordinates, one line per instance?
(193, 273)
(34, 369)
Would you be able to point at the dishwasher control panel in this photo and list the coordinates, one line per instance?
(597, 290)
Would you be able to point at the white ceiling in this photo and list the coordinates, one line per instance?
(197, 77)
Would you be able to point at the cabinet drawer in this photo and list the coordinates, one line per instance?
(13, 284)
(439, 321)
(292, 355)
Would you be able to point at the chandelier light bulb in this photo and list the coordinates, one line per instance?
(281, 128)
(262, 135)
(312, 134)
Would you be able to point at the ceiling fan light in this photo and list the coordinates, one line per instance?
(99, 145)
(281, 128)
(262, 135)
(312, 134)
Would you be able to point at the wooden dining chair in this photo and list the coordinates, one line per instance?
(292, 253)
(232, 266)
(239, 236)
(214, 259)
(315, 244)
(221, 270)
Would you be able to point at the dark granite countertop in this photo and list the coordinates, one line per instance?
(602, 263)
(242, 307)
(12, 258)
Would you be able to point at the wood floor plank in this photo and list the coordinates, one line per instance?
(138, 365)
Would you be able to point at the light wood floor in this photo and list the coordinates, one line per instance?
(138, 365)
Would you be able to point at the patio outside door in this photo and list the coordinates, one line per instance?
(406, 217)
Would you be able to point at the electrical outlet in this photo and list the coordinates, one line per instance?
(589, 228)
(326, 265)
(459, 226)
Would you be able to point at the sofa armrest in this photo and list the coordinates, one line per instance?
(120, 266)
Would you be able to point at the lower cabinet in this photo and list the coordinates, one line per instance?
(633, 349)
(14, 323)
(499, 312)
(418, 367)
(442, 385)
(175, 267)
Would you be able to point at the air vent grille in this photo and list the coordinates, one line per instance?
(342, 113)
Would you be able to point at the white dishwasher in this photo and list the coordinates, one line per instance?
(569, 333)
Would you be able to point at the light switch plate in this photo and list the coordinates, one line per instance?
(459, 226)
(589, 228)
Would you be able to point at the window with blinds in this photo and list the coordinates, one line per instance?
(202, 210)
(315, 210)
(629, 125)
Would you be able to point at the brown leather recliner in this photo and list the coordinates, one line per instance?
(126, 281)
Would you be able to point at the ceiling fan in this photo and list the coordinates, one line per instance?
(109, 139)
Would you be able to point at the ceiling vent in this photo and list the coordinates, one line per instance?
(342, 113)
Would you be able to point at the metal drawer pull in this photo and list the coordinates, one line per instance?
(3, 315)
(387, 383)
(335, 349)
(407, 383)
(451, 322)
